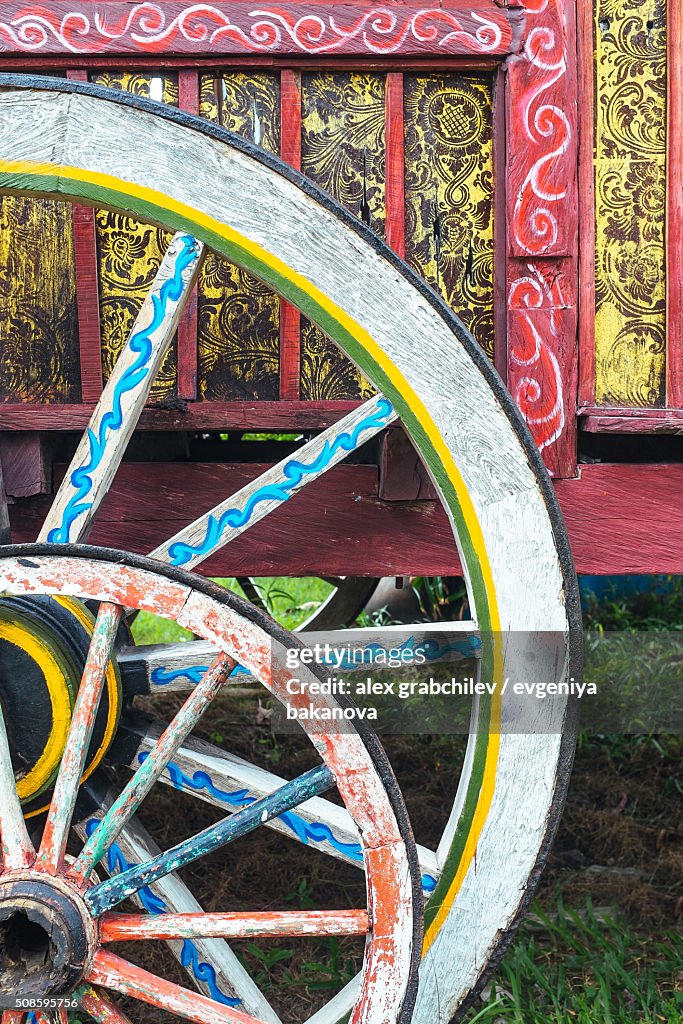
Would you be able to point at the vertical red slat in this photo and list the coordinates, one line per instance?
(542, 231)
(87, 292)
(290, 151)
(500, 319)
(395, 166)
(586, 55)
(188, 100)
(674, 209)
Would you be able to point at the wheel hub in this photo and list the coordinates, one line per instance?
(47, 937)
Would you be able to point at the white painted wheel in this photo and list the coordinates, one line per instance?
(80, 143)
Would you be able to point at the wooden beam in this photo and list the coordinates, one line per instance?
(674, 208)
(620, 518)
(87, 291)
(290, 318)
(234, 27)
(202, 416)
(188, 100)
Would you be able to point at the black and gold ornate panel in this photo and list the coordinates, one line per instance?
(630, 199)
(39, 357)
(239, 318)
(342, 150)
(448, 192)
(129, 253)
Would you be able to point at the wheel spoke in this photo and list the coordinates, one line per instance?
(252, 503)
(179, 667)
(17, 849)
(63, 801)
(107, 894)
(115, 973)
(103, 445)
(210, 963)
(340, 1006)
(99, 1006)
(151, 768)
(230, 782)
(266, 925)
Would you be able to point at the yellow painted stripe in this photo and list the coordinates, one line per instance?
(60, 702)
(204, 222)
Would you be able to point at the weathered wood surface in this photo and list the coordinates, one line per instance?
(103, 445)
(391, 956)
(632, 421)
(146, 774)
(62, 805)
(202, 416)
(15, 845)
(274, 924)
(210, 963)
(448, 401)
(25, 464)
(542, 229)
(463, 28)
(276, 486)
(230, 782)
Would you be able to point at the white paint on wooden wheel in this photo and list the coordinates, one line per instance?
(474, 445)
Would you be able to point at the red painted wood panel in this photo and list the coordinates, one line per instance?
(188, 100)
(290, 318)
(87, 291)
(240, 27)
(620, 518)
(194, 416)
(674, 209)
(542, 227)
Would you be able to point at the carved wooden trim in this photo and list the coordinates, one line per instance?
(674, 210)
(542, 229)
(463, 28)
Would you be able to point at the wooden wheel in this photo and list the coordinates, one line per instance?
(56, 917)
(84, 144)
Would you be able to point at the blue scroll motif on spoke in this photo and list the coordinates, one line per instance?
(81, 478)
(293, 473)
(306, 831)
(153, 904)
(432, 649)
(161, 676)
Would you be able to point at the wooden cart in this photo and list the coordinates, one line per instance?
(474, 146)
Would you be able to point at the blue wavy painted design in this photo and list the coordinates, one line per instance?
(153, 904)
(293, 473)
(111, 422)
(306, 831)
(432, 649)
(163, 676)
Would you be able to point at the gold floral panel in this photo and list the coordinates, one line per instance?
(129, 253)
(39, 355)
(239, 318)
(448, 192)
(630, 195)
(342, 150)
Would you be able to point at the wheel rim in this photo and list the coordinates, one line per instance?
(497, 513)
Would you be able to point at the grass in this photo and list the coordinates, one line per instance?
(567, 965)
